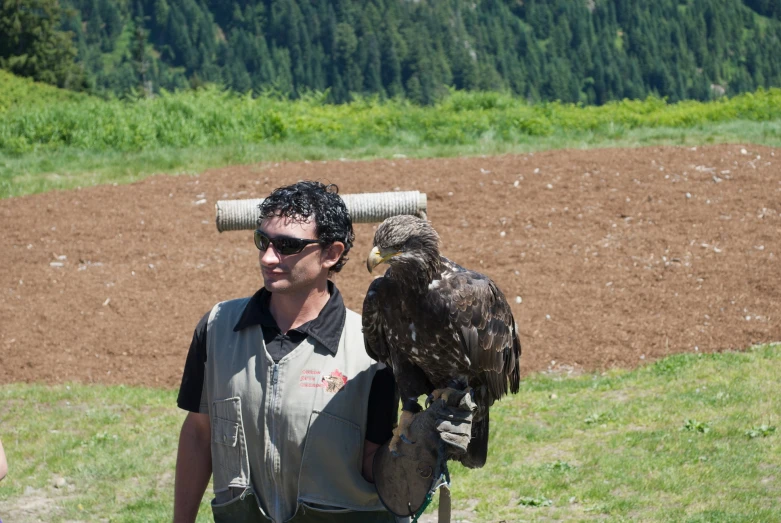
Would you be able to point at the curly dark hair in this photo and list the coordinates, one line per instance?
(309, 199)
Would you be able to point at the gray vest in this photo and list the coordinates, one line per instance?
(289, 435)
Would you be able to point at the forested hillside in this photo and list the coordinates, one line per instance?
(587, 51)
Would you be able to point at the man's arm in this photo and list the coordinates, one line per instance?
(369, 450)
(193, 466)
(380, 418)
(3, 462)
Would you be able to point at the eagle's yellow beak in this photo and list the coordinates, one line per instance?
(377, 257)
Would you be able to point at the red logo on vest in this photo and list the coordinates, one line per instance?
(332, 383)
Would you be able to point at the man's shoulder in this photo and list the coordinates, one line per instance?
(352, 320)
(232, 308)
(234, 301)
(353, 327)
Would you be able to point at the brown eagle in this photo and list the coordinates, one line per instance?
(438, 325)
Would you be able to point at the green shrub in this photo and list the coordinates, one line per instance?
(40, 117)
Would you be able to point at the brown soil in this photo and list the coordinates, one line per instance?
(619, 256)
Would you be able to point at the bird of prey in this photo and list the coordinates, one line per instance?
(438, 325)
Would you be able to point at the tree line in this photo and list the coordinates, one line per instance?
(588, 51)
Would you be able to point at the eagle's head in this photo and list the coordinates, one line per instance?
(410, 246)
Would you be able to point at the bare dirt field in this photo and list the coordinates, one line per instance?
(617, 257)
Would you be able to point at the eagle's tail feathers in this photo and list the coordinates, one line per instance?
(515, 360)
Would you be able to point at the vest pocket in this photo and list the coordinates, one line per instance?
(241, 509)
(331, 466)
(230, 465)
(225, 432)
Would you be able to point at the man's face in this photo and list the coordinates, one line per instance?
(293, 273)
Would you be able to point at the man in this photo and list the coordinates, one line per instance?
(3, 462)
(286, 409)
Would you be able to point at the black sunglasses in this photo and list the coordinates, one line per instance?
(284, 246)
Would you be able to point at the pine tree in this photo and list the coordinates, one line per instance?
(141, 58)
(32, 45)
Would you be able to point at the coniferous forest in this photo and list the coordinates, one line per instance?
(589, 51)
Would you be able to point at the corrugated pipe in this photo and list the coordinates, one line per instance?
(240, 215)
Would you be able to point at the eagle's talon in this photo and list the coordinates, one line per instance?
(442, 394)
(400, 432)
(434, 396)
(393, 444)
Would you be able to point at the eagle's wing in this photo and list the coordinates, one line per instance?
(482, 321)
(373, 330)
(381, 299)
(482, 318)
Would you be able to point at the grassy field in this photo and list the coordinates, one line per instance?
(50, 139)
(689, 438)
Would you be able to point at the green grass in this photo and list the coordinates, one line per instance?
(115, 447)
(53, 144)
(68, 168)
(690, 438)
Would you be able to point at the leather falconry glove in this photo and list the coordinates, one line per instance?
(442, 430)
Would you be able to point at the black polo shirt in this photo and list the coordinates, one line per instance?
(326, 329)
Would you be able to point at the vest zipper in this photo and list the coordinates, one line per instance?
(272, 433)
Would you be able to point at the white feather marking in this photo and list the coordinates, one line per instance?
(412, 330)
(433, 285)
(414, 350)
